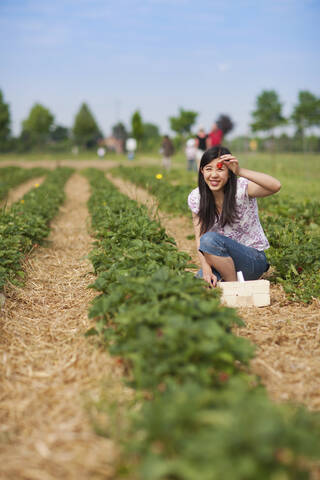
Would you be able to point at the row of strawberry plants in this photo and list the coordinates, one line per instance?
(143, 281)
(293, 230)
(206, 417)
(26, 223)
(13, 176)
(172, 198)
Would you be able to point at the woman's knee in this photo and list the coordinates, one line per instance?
(212, 242)
(206, 242)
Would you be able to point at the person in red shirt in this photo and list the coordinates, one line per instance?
(215, 136)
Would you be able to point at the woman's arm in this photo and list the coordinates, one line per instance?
(260, 184)
(208, 276)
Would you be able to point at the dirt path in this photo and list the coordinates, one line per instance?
(78, 163)
(47, 366)
(286, 334)
(16, 193)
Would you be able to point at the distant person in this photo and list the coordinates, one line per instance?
(131, 146)
(191, 154)
(167, 150)
(215, 136)
(101, 152)
(219, 130)
(201, 144)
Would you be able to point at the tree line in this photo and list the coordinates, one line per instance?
(40, 131)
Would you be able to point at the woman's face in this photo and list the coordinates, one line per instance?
(216, 175)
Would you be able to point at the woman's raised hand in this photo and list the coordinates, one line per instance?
(231, 162)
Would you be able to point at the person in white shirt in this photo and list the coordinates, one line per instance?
(131, 146)
(191, 154)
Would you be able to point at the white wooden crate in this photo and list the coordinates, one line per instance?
(244, 294)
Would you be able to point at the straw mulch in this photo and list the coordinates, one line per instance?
(49, 370)
(286, 334)
(16, 193)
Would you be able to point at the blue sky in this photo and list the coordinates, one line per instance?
(212, 56)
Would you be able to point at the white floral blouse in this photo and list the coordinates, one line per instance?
(247, 229)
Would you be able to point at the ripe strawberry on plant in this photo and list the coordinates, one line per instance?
(223, 377)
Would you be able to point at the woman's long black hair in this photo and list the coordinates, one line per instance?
(208, 213)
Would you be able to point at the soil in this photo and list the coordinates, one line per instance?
(76, 163)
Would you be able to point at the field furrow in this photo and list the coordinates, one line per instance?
(16, 193)
(50, 371)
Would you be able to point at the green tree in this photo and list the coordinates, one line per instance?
(306, 114)
(85, 129)
(137, 126)
(37, 125)
(119, 131)
(59, 133)
(151, 137)
(25, 142)
(267, 115)
(183, 123)
(150, 130)
(4, 124)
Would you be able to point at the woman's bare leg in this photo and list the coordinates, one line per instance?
(224, 265)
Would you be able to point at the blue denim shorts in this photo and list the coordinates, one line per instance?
(251, 262)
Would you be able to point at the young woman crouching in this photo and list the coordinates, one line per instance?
(224, 208)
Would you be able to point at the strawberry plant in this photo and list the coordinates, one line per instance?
(202, 416)
(191, 433)
(172, 198)
(12, 176)
(27, 223)
(146, 290)
(295, 254)
(292, 228)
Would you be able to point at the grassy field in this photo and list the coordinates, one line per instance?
(299, 173)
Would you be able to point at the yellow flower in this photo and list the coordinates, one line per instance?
(21, 201)
(159, 176)
(104, 203)
(37, 185)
